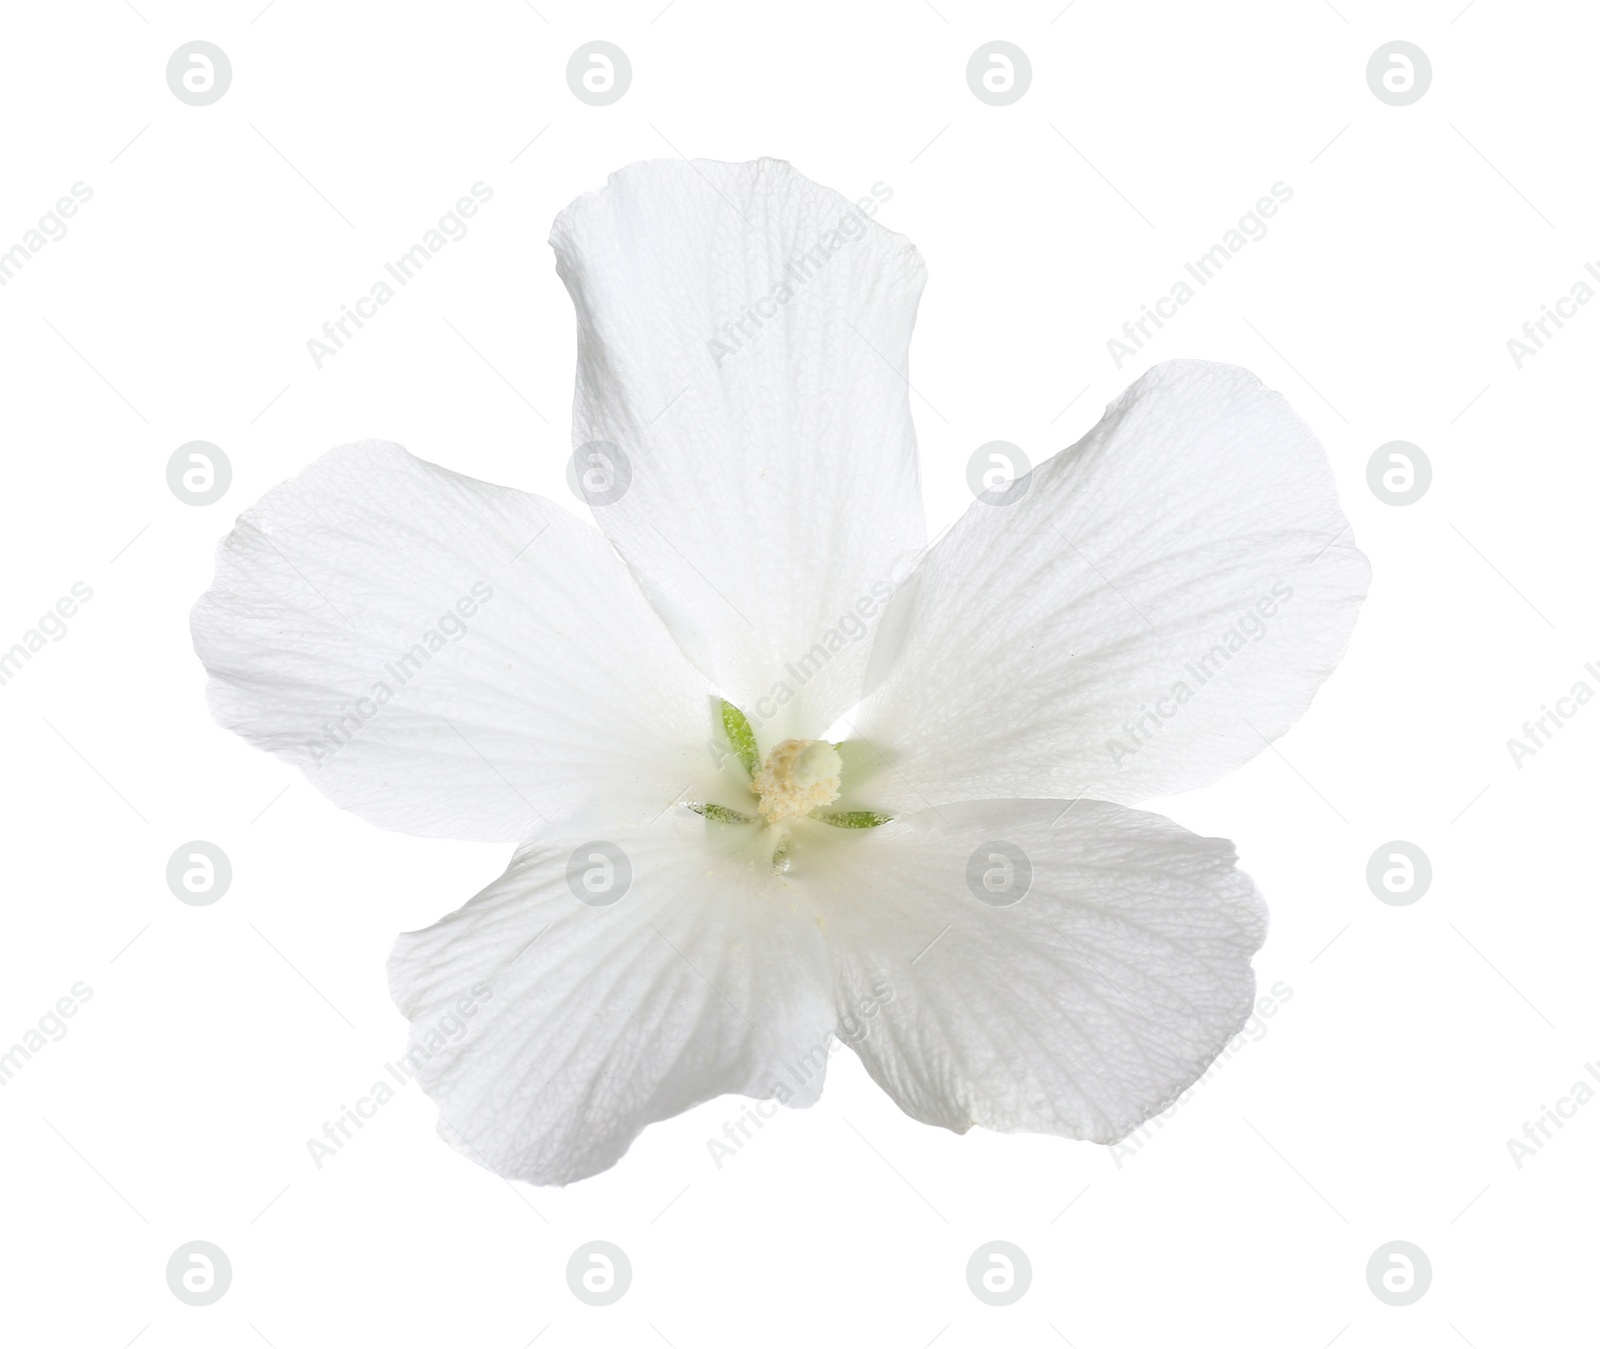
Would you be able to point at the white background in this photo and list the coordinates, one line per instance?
(1378, 1102)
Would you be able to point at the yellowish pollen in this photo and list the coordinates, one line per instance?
(798, 777)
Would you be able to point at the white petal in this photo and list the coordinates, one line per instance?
(1186, 563)
(1083, 1007)
(443, 656)
(743, 338)
(589, 1022)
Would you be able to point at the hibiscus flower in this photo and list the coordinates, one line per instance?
(778, 770)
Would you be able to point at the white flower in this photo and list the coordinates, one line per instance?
(958, 888)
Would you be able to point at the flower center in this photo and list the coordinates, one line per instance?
(798, 777)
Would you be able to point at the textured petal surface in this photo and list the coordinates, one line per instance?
(1163, 602)
(446, 657)
(742, 339)
(1082, 1007)
(589, 1021)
